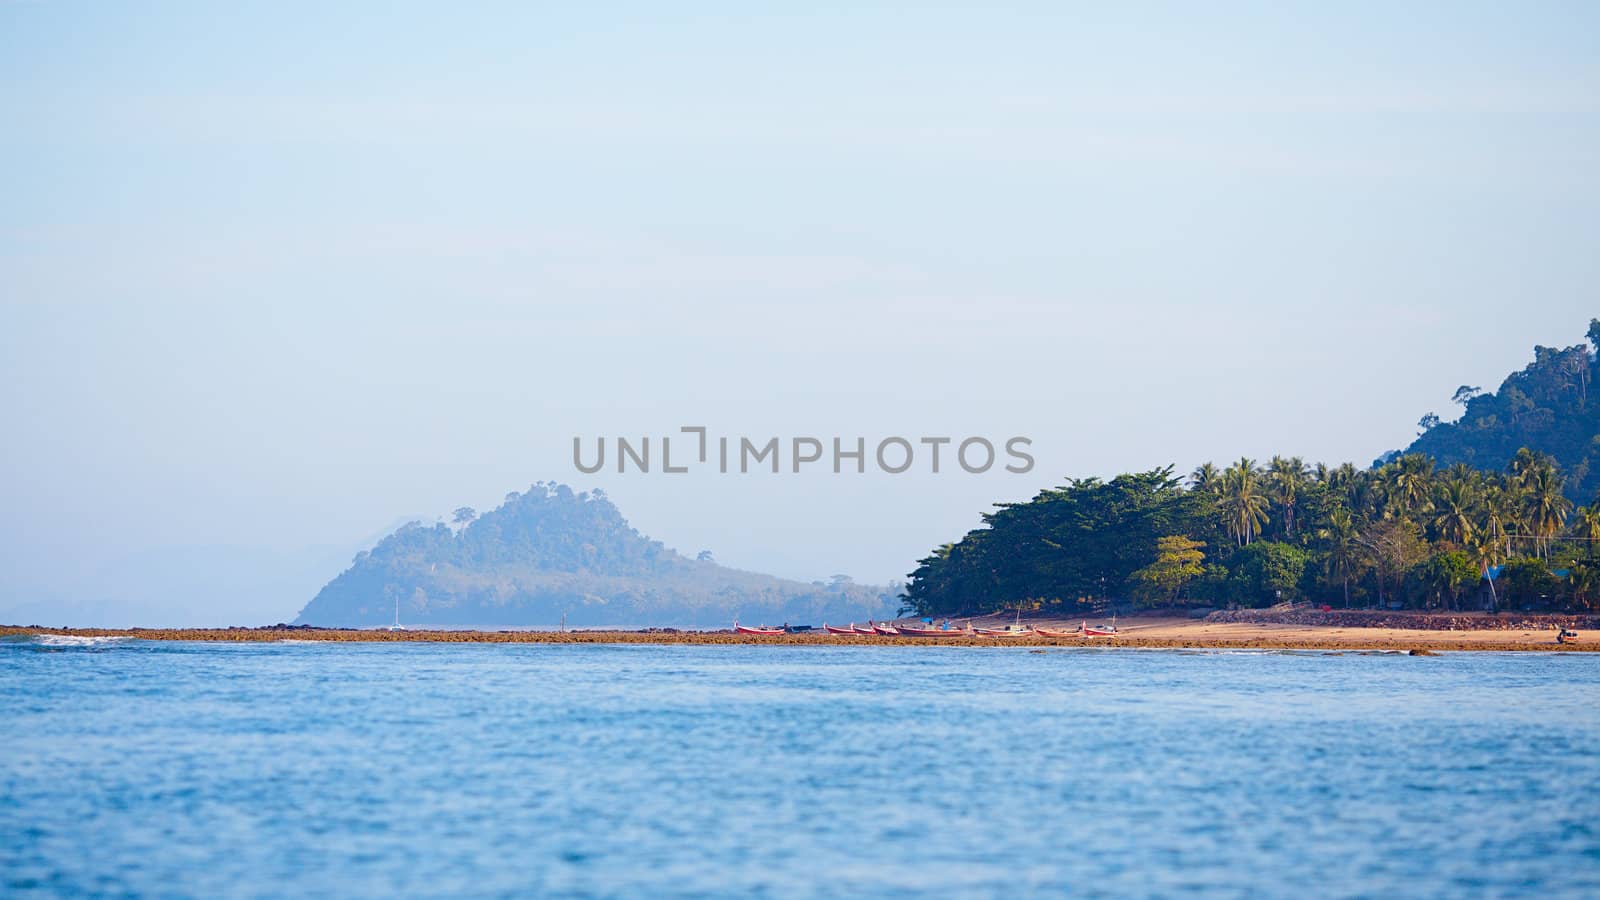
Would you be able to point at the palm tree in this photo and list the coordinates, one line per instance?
(1343, 475)
(1243, 505)
(1485, 550)
(1544, 505)
(1287, 481)
(1363, 490)
(1588, 525)
(1455, 502)
(1500, 520)
(1344, 549)
(1205, 478)
(1525, 461)
(1583, 578)
(1408, 485)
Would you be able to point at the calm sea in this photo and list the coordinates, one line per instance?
(146, 768)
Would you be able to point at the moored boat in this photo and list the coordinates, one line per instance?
(1015, 629)
(863, 629)
(912, 631)
(836, 629)
(1005, 631)
(1057, 633)
(752, 629)
(881, 628)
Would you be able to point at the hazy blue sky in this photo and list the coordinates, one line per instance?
(274, 277)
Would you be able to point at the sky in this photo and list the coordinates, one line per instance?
(275, 278)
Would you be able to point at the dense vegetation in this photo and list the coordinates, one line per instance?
(1545, 406)
(551, 554)
(1408, 531)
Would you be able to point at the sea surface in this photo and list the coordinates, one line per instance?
(309, 769)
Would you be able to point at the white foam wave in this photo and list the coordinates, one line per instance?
(78, 640)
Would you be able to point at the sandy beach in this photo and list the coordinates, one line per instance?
(1140, 631)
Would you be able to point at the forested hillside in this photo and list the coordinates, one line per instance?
(1497, 493)
(551, 553)
(1545, 406)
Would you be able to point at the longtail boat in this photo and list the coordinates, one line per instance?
(751, 629)
(1100, 630)
(911, 631)
(881, 628)
(836, 629)
(863, 629)
(1057, 633)
(1015, 629)
(1005, 631)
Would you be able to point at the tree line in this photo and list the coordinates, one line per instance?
(1405, 533)
(1481, 511)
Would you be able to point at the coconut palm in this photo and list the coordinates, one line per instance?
(1242, 502)
(1342, 475)
(1286, 481)
(1524, 462)
(1462, 472)
(1500, 513)
(1408, 484)
(1455, 502)
(1343, 544)
(1362, 489)
(1205, 478)
(1485, 549)
(1588, 525)
(1583, 579)
(1545, 508)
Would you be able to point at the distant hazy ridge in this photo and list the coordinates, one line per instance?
(552, 552)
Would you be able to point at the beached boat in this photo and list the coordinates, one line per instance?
(912, 631)
(1057, 633)
(864, 629)
(1004, 631)
(751, 629)
(881, 628)
(1015, 629)
(838, 629)
(1100, 630)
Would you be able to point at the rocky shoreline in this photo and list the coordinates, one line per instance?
(1221, 636)
(1411, 621)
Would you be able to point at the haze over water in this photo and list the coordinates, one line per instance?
(407, 769)
(277, 278)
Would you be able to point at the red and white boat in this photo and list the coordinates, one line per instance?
(1056, 633)
(1099, 630)
(837, 629)
(1004, 631)
(864, 629)
(881, 628)
(751, 629)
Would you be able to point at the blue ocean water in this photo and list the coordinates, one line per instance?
(306, 769)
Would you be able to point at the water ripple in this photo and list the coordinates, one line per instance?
(137, 767)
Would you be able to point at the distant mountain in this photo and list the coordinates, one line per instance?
(1545, 407)
(549, 553)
